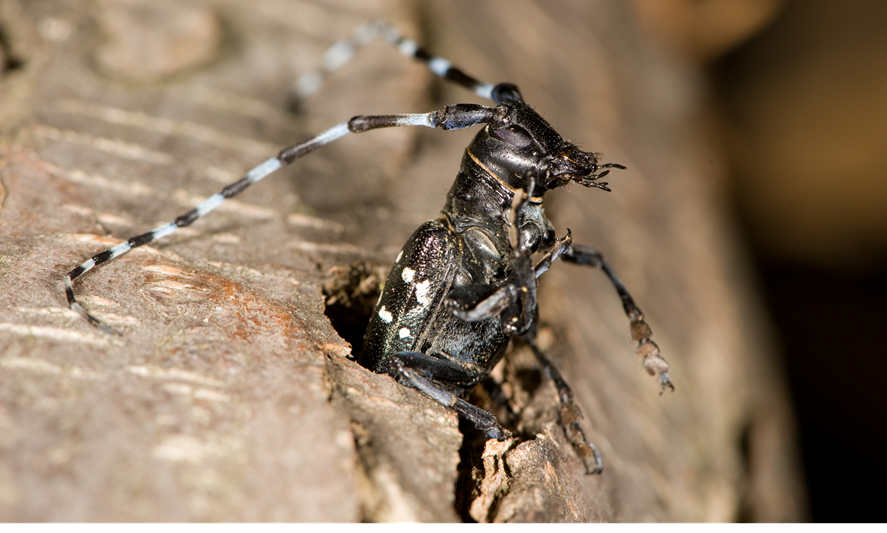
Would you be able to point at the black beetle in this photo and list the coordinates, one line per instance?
(464, 284)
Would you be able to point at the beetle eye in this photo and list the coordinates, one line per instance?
(513, 135)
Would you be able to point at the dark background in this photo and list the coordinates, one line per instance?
(800, 105)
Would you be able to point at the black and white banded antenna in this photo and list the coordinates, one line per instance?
(448, 118)
(343, 50)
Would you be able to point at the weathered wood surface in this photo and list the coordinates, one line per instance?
(228, 397)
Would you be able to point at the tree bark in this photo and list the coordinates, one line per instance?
(228, 396)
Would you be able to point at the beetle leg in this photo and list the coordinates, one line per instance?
(570, 414)
(442, 369)
(482, 420)
(474, 303)
(561, 246)
(518, 320)
(478, 302)
(647, 350)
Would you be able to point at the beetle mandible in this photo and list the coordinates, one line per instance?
(465, 283)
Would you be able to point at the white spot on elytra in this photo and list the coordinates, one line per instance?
(385, 315)
(423, 293)
(408, 274)
(404, 333)
(398, 257)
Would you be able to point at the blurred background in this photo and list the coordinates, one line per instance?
(799, 102)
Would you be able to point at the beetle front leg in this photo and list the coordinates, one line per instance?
(647, 350)
(517, 321)
(482, 420)
(515, 302)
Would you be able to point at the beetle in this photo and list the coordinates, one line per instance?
(464, 284)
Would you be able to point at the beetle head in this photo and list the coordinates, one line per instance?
(522, 144)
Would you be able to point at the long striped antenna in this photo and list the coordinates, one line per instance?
(342, 51)
(188, 218)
